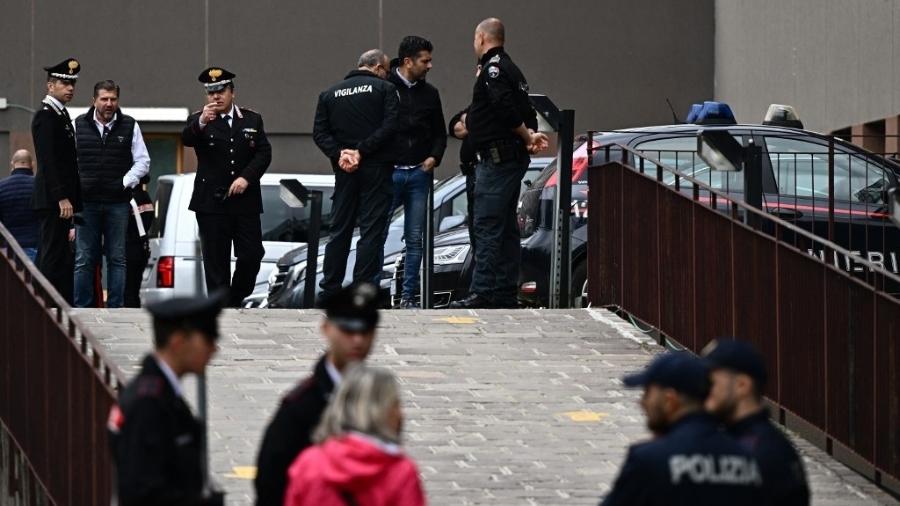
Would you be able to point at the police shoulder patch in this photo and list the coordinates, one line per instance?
(493, 71)
(495, 59)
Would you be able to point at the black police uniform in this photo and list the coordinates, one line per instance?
(499, 104)
(782, 469)
(289, 433)
(783, 475)
(693, 464)
(354, 308)
(467, 161)
(56, 179)
(137, 245)
(359, 112)
(157, 444)
(225, 153)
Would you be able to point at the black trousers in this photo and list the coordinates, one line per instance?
(217, 233)
(56, 257)
(136, 257)
(497, 257)
(470, 205)
(362, 197)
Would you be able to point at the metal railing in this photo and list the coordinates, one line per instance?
(19, 483)
(674, 253)
(56, 384)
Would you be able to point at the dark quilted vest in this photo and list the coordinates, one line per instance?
(103, 164)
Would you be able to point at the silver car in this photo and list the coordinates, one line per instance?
(174, 244)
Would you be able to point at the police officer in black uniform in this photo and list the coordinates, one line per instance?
(738, 383)
(57, 188)
(351, 315)
(355, 122)
(690, 461)
(501, 123)
(233, 153)
(157, 444)
(467, 161)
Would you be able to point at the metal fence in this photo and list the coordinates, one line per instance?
(674, 252)
(56, 385)
(19, 483)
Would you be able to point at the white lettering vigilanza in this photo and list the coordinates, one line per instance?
(727, 469)
(366, 88)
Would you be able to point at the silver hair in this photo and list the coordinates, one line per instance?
(362, 403)
(371, 58)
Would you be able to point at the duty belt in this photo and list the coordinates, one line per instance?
(500, 151)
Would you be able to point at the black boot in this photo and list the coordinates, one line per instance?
(473, 301)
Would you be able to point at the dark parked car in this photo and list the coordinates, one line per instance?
(795, 186)
(286, 283)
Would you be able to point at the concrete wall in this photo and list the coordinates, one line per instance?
(837, 61)
(615, 62)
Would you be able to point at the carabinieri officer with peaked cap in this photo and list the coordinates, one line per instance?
(232, 155)
(57, 190)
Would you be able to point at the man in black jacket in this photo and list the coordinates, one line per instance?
(15, 197)
(738, 376)
(501, 123)
(112, 158)
(233, 153)
(355, 123)
(351, 316)
(57, 190)
(157, 444)
(418, 146)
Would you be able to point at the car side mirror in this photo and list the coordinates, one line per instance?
(894, 205)
(451, 222)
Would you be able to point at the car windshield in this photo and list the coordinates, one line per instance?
(284, 224)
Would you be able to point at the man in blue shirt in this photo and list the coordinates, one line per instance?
(15, 203)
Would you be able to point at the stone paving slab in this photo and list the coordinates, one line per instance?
(503, 407)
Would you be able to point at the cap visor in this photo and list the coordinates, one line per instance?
(635, 380)
(351, 324)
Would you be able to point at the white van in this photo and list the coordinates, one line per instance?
(174, 239)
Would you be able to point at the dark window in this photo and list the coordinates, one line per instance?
(284, 224)
(161, 208)
(680, 153)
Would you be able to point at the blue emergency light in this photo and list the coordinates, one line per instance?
(692, 115)
(715, 113)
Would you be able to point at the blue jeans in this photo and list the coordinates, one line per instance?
(411, 190)
(102, 224)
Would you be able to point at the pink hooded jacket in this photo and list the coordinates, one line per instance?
(353, 470)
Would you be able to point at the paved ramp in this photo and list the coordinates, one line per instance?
(503, 407)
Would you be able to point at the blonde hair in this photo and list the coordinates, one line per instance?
(362, 403)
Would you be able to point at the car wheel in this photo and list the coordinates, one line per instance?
(579, 285)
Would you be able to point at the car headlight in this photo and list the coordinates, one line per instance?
(450, 255)
(273, 275)
(296, 272)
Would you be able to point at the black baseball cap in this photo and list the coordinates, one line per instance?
(736, 355)
(679, 370)
(353, 308)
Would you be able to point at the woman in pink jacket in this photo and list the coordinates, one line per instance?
(358, 460)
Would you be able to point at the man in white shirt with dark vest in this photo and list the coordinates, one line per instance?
(112, 159)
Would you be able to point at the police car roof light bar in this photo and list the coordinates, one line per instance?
(715, 113)
(693, 113)
(782, 115)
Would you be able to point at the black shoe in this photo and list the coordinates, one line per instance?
(408, 304)
(473, 301)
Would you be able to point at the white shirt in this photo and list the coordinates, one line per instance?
(407, 82)
(140, 165)
(59, 105)
(333, 373)
(170, 375)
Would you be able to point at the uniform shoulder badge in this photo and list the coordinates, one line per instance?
(495, 59)
(493, 71)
